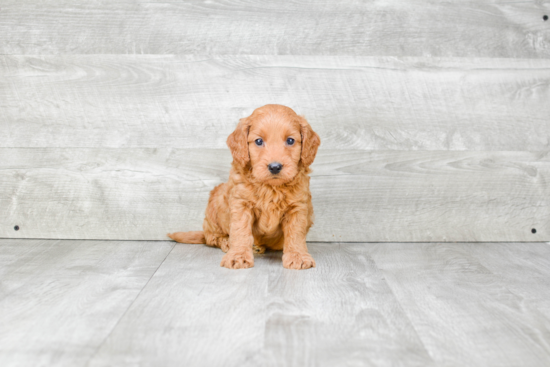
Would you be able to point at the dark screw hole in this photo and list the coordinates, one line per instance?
(16, 228)
(545, 17)
(533, 230)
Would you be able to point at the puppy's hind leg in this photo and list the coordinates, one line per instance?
(216, 220)
(258, 247)
(217, 240)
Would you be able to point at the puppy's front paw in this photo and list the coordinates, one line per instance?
(297, 260)
(238, 260)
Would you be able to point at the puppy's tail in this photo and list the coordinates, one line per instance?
(188, 237)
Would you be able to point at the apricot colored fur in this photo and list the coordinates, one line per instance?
(256, 210)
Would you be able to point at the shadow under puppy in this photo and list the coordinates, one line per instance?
(266, 202)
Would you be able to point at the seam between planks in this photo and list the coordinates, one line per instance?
(404, 312)
(129, 306)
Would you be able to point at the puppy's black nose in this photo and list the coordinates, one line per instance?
(275, 167)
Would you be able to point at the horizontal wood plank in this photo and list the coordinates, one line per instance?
(357, 195)
(352, 102)
(59, 300)
(391, 28)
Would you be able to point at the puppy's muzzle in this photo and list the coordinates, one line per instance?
(275, 167)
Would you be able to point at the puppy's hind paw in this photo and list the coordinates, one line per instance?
(223, 243)
(297, 260)
(258, 249)
(238, 260)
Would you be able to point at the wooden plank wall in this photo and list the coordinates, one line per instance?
(434, 116)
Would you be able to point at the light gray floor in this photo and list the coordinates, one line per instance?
(143, 303)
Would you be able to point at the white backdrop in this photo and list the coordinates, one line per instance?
(434, 117)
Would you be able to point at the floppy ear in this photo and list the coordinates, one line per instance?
(310, 142)
(237, 142)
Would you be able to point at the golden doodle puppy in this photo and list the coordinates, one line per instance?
(266, 203)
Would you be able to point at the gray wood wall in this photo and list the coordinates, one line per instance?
(434, 116)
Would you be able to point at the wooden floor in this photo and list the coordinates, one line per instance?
(145, 303)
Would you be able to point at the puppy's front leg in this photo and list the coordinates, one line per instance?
(240, 255)
(295, 254)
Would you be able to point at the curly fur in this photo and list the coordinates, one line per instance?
(256, 210)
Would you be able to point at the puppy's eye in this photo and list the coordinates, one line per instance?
(290, 141)
(259, 142)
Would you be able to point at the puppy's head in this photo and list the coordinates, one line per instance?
(275, 142)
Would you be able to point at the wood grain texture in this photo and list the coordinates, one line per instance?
(524, 269)
(341, 313)
(63, 303)
(352, 102)
(357, 195)
(195, 313)
(465, 314)
(60, 299)
(416, 28)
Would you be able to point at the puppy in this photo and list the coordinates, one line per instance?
(266, 203)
